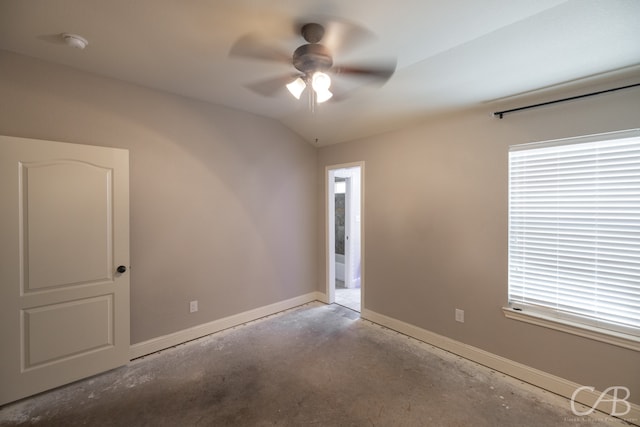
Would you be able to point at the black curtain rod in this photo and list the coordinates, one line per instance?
(513, 110)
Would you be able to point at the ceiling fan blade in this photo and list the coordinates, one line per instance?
(379, 72)
(339, 92)
(272, 86)
(253, 47)
(340, 35)
(344, 36)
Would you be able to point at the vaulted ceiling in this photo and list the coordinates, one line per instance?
(448, 54)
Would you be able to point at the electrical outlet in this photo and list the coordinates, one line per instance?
(193, 306)
(459, 315)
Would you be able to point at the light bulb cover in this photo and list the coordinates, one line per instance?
(320, 82)
(323, 96)
(296, 87)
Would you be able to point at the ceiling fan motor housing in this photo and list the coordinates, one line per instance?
(313, 57)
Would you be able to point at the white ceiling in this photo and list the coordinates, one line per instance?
(450, 54)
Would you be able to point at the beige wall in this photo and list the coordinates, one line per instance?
(436, 231)
(222, 202)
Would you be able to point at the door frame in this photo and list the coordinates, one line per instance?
(348, 273)
(329, 197)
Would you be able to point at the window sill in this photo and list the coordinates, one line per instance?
(610, 337)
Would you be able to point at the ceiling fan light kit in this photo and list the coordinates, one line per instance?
(320, 83)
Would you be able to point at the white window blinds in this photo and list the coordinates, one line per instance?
(574, 230)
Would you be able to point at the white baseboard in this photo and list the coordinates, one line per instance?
(160, 343)
(517, 370)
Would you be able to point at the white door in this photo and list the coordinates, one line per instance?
(64, 237)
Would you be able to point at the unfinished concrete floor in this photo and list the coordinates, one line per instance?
(316, 365)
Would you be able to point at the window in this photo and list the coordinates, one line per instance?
(574, 233)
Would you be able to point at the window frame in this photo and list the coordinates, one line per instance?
(556, 319)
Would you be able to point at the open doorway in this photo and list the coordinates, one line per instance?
(344, 235)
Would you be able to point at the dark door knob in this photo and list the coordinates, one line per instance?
(121, 269)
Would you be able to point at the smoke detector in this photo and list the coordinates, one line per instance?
(75, 40)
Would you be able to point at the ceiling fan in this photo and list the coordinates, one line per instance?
(313, 63)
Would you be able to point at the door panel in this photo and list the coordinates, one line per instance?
(64, 229)
(52, 333)
(77, 198)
